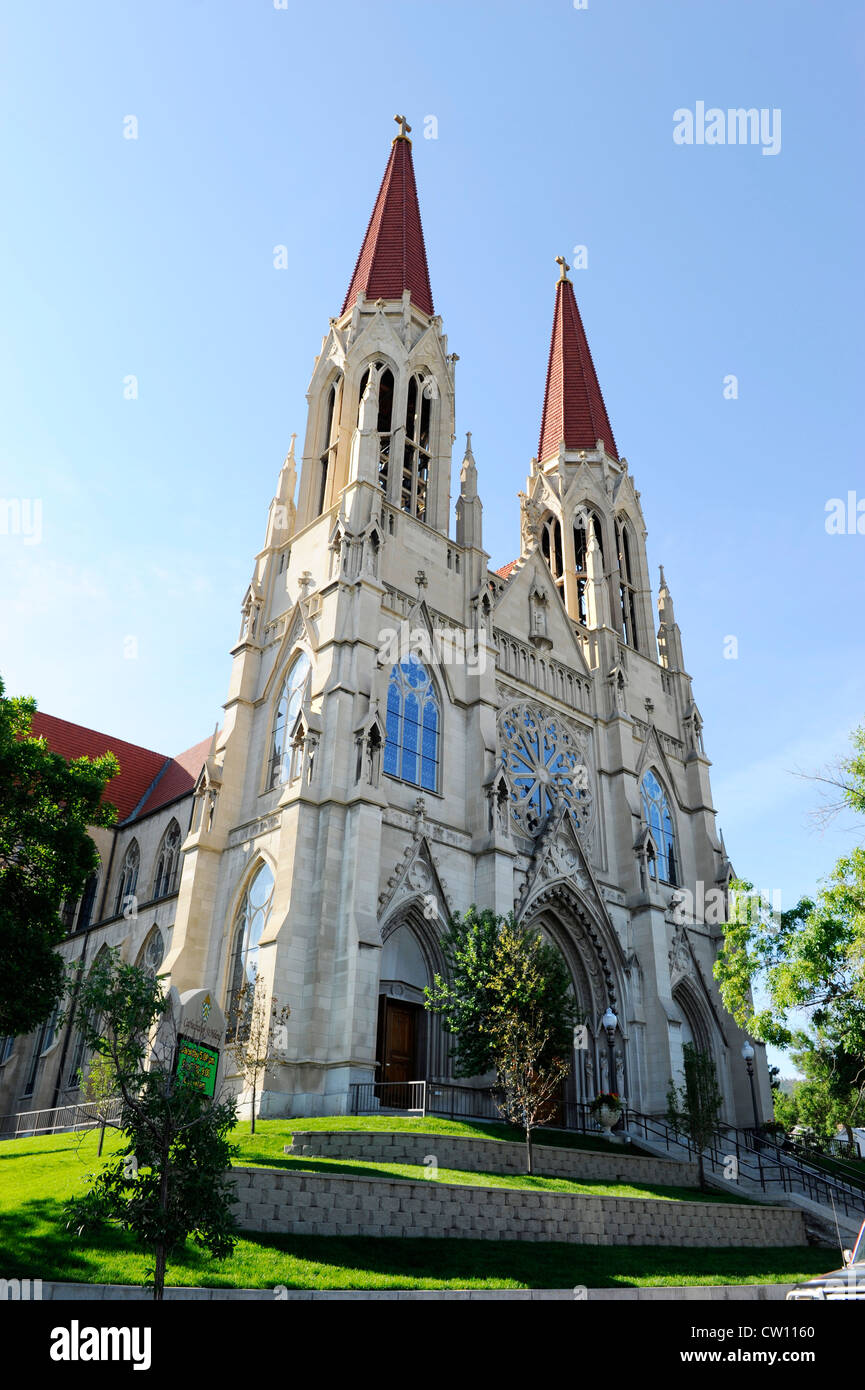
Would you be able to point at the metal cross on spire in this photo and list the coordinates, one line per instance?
(562, 263)
(404, 127)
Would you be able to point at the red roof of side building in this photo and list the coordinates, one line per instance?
(574, 409)
(506, 570)
(146, 779)
(393, 256)
(178, 778)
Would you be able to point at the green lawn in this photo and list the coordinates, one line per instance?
(473, 1129)
(264, 1149)
(37, 1175)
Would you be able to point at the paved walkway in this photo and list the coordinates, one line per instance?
(661, 1293)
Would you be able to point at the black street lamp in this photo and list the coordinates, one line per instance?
(748, 1058)
(609, 1023)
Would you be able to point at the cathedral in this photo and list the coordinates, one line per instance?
(408, 731)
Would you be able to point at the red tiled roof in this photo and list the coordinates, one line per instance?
(506, 570)
(574, 409)
(146, 780)
(393, 257)
(179, 776)
(138, 766)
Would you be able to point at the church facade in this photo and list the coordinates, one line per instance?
(409, 731)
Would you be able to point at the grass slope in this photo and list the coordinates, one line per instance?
(37, 1175)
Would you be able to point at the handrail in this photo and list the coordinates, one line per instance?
(86, 1115)
(752, 1162)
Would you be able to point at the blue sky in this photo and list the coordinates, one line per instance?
(260, 126)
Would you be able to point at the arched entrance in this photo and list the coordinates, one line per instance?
(410, 1045)
(592, 956)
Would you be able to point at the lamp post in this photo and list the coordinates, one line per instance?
(610, 1023)
(748, 1058)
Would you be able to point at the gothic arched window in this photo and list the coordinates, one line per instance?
(88, 900)
(551, 549)
(660, 822)
(128, 878)
(581, 548)
(627, 596)
(79, 1051)
(286, 713)
(384, 418)
(152, 953)
(249, 923)
(44, 1039)
(411, 750)
(329, 439)
(167, 862)
(416, 458)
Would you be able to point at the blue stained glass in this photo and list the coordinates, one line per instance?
(411, 717)
(412, 725)
(660, 822)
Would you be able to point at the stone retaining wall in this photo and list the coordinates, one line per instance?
(299, 1203)
(493, 1156)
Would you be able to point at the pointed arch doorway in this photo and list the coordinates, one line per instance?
(409, 1044)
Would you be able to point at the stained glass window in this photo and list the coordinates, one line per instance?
(249, 923)
(660, 822)
(411, 750)
(286, 713)
(128, 880)
(544, 764)
(167, 862)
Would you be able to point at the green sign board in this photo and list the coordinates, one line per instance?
(198, 1063)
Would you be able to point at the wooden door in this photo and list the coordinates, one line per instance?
(400, 1053)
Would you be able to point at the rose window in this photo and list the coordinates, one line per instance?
(545, 764)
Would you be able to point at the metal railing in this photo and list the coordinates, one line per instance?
(372, 1097)
(29, 1123)
(757, 1159)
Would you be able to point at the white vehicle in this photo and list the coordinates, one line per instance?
(847, 1283)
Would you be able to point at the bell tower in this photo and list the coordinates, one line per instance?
(580, 506)
(381, 399)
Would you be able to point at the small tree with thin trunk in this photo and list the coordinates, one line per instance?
(530, 1078)
(694, 1108)
(256, 1031)
(169, 1180)
(100, 1088)
(509, 1005)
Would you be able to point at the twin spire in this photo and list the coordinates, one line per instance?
(574, 413)
(393, 259)
(393, 256)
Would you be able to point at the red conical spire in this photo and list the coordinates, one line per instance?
(574, 409)
(393, 257)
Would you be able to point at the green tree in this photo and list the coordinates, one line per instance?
(498, 969)
(810, 961)
(100, 1088)
(254, 1034)
(169, 1180)
(694, 1108)
(509, 1005)
(46, 855)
